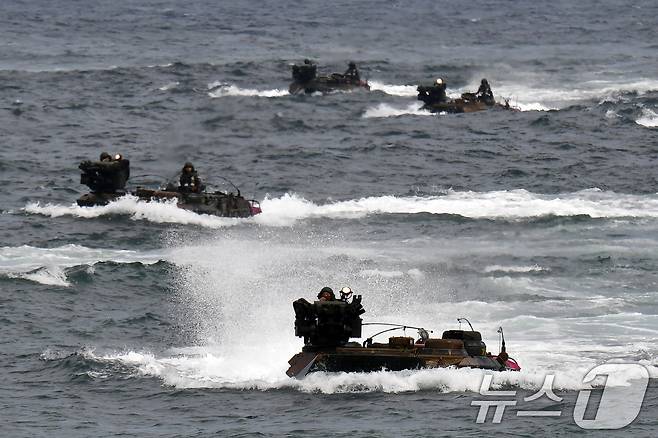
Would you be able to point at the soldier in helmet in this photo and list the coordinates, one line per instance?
(189, 180)
(310, 69)
(436, 93)
(305, 72)
(326, 294)
(352, 72)
(107, 175)
(484, 93)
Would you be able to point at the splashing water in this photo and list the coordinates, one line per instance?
(220, 89)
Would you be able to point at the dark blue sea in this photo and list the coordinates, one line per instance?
(143, 319)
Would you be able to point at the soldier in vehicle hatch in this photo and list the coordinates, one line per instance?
(326, 294)
(189, 180)
(352, 72)
(107, 175)
(305, 72)
(484, 93)
(435, 93)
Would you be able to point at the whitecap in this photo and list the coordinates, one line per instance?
(394, 90)
(48, 265)
(220, 89)
(50, 276)
(290, 208)
(386, 110)
(649, 118)
(504, 204)
(515, 269)
(205, 368)
(169, 86)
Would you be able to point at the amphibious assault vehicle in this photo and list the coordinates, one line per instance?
(107, 181)
(327, 327)
(436, 101)
(306, 80)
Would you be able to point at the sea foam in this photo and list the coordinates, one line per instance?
(48, 265)
(649, 119)
(220, 89)
(290, 208)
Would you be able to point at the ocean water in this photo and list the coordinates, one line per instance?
(141, 319)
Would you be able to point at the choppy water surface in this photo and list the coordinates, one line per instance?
(146, 320)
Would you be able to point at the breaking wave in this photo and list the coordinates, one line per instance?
(203, 367)
(221, 89)
(649, 119)
(394, 90)
(48, 265)
(50, 276)
(514, 269)
(288, 209)
(512, 204)
(169, 86)
(386, 110)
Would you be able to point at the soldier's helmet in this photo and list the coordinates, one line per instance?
(328, 290)
(345, 293)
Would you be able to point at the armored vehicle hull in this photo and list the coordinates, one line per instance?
(327, 326)
(440, 353)
(95, 199)
(217, 203)
(456, 106)
(324, 84)
(468, 103)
